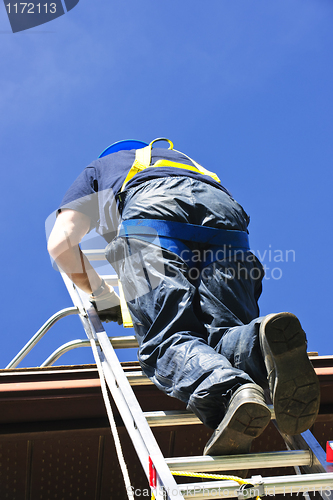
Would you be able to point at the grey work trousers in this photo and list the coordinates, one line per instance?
(197, 325)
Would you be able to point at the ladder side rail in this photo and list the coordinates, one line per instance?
(117, 343)
(142, 437)
(85, 306)
(132, 415)
(79, 299)
(40, 333)
(144, 446)
(307, 441)
(137, 420)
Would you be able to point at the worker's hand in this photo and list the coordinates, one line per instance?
(107, 305)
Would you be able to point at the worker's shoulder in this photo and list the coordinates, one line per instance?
(118, 158)
(125, 158)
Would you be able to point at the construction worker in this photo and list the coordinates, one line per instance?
(179, 243)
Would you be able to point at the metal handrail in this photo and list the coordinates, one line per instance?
(41, 332)
(117, 343)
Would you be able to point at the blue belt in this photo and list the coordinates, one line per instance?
(175, 236)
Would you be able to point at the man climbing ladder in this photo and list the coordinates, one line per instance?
(179, 243)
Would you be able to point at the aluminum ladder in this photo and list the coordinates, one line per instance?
(303, 450)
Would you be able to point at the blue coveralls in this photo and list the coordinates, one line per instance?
(197, 324)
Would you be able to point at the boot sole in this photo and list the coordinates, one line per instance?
(294, 384)
(245, 424)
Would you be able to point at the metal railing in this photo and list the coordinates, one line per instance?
(117, 343)
(41, 332)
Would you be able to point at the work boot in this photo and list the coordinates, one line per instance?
(245, 419)
(292, 381)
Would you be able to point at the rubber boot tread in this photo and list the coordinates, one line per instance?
(292, 380)
(245, 422)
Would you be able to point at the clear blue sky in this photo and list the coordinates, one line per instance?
(244, 87)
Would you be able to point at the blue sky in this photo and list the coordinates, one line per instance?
(243, 87)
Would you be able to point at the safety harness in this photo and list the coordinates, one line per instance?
(143, 161)
(174, 235)
(178, 236)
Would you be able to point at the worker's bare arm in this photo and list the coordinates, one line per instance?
(63, 246)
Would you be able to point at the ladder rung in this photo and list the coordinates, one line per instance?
(173, 417)
(165, 418)
(138, 378)
(232, 462)
(126, 342)
(277, 485)
(95, 254)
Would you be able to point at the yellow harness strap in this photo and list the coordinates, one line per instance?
(125, 314)
(143, 160)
